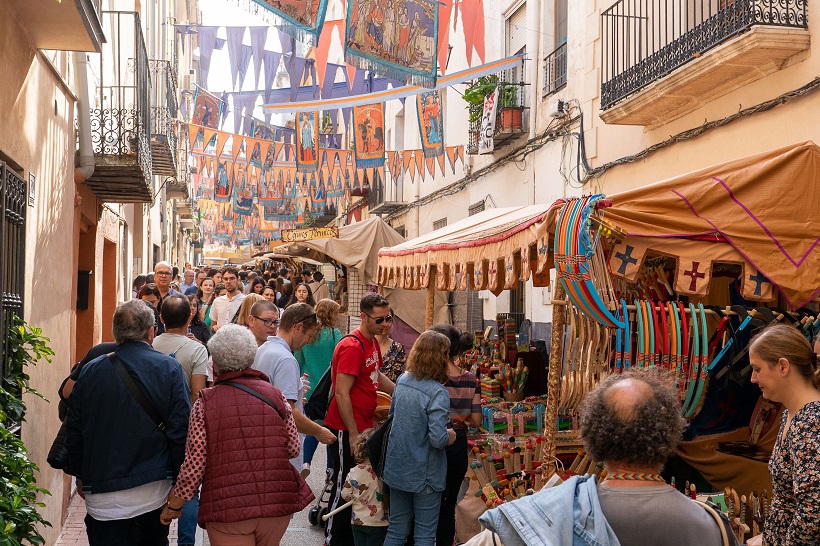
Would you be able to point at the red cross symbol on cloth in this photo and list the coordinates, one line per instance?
(695, 276)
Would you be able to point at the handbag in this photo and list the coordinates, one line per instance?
(376, 446)
(136, 392)
(58, 454)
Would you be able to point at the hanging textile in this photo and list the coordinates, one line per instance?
(271, 61)
(223, 191)
(258, 37)
(301, 19)
(398, 38)
(431, 123)
(262, 130)
(242, 191)
(307, 145)
(368, 126)
(207, 43)
(472, 17)
(486, 143)
(207, 109)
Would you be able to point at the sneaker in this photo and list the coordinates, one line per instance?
(305, 470)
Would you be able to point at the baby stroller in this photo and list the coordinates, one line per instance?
(321, 507)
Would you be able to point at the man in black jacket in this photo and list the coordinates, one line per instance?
(124, 462)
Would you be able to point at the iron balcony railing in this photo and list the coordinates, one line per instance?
(163, 109)
(511, 96)
(121, 123)
(555, 71)
(644, 40)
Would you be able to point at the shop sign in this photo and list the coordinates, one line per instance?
(309, 234)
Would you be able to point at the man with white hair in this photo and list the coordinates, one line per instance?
(188, 281)
(163, 274)
(123, 459)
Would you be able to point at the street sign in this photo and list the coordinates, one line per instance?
(309, 234)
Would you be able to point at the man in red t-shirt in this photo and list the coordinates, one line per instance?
(356, 378)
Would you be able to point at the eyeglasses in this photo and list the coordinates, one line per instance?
(269, 323)
(379, 320)
(163, 273)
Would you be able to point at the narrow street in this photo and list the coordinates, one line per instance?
(300, 532)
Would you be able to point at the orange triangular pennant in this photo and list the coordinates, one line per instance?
(407, 157)
(410, 166)
(221, 139)
(451, 153)
(431, 166)
(461, 154)
(419, 156)
(441, 163)
(193, 132)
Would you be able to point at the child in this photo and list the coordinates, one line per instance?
(362, 486)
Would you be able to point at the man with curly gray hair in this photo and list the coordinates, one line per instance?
(631, 423)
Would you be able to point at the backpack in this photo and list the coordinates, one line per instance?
(319, 401)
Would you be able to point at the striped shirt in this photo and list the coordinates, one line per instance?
(465, 398)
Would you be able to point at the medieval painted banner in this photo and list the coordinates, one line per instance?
(243, 191)
(394, 38)
(223, 190)
(368, 123)
(307, 143)
(309, 234)
(300, 19)
(207, 109)
(431, 123)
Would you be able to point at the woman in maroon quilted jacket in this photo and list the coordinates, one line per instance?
(245, 443)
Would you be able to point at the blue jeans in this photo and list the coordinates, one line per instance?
(187, 522)
(309, 448)
(405, 507)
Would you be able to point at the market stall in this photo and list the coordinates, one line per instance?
(356, 248)
(674, 275)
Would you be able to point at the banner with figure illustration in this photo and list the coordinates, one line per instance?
(300, 19)
(394, 38)
(431, 123)
(207, 109)
(307, 143)
(368, 127)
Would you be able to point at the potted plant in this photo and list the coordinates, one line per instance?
(509, 108)
(475, 94)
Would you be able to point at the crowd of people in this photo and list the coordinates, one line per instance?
(211, 428)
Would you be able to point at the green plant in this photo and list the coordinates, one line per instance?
(476, 92)
(19, 519)
(509, 96)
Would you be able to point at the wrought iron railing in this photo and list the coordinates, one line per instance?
(511, 96)
(644, 40)
(121, 123)
(555, 71)
(385, 190)
(164, 104)
(13, 206)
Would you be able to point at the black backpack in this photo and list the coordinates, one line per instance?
(319, 401)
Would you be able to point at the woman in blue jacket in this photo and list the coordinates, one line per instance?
(415, 466)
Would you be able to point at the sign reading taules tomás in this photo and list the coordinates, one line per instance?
(309, 234)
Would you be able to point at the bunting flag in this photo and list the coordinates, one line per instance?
(323, 49)
(452, 153)
(307, 144)
(359, 97)
(207, 44)
(258, 37)
(396, 38)
(368, 128)
(207, 109)
(472, 17)
(300, 19)
(223, 190)
(410, 165)
(431, 123)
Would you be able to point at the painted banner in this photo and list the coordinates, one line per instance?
(300, 19)
(394, 38)
(307, 143)
(431, 123)
(207, 109)
(486, 145)
(243, 190)
(368, 124)
(223, 190)
(262, 130)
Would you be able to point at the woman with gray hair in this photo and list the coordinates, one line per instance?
(242, 431)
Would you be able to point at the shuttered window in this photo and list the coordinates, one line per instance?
(517, 30)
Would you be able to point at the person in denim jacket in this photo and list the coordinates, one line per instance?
(415, 466)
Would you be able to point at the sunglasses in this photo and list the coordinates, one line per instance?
(269, 323)
(379, 320)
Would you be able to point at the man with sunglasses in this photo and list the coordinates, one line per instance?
(263, 321)
(297, 327)
(356, 378)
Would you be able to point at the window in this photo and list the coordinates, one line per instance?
(401, 230)
(13, 200)
(438, 224)
(475, 208)
(517, 39)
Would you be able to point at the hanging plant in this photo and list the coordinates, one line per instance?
(475, 94)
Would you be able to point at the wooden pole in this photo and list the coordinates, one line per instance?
(553, 383)
(431, 296)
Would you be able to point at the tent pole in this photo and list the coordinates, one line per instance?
(553, 383)
(431, 296)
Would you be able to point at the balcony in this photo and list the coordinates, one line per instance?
(121, 123)
(510, 121)
(555, 71)
(385, 197)
(67, 26)
(177, 187)
(163, 108)
(665, 58)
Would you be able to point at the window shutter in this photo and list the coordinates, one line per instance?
(517, 31)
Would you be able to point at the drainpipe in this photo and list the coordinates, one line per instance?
(86, 160)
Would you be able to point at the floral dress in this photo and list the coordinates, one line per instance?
(794, 517)
(395, 358)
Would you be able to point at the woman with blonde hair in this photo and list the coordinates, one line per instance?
(420, 411)
(314, 360)
(784, 366)
(244, 310)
